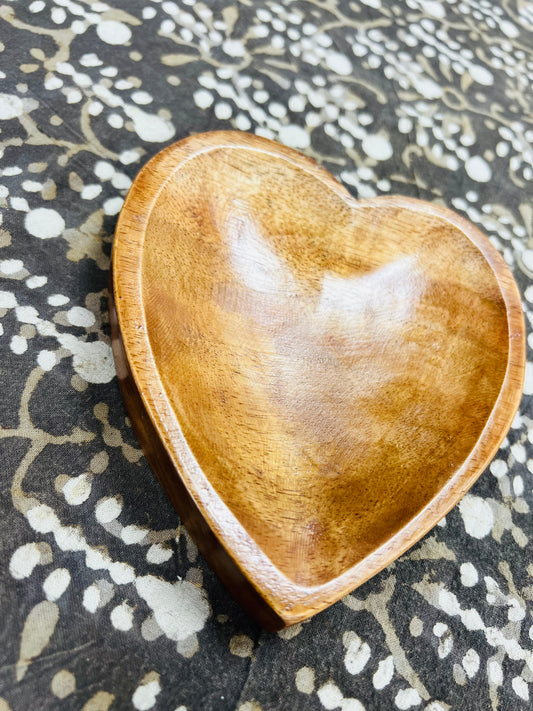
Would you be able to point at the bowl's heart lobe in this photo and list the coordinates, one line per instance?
(324, 377)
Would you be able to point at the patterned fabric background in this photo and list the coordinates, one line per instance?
(104, 601)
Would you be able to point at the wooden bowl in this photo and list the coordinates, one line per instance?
(315, 380)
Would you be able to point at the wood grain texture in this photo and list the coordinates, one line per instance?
(315, 380)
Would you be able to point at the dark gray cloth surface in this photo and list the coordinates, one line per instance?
(104, 601)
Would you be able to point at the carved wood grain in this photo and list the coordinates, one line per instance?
(315, 380)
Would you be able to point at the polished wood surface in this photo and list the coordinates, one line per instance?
(315, 380)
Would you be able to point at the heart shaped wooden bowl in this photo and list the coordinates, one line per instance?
(315, 380)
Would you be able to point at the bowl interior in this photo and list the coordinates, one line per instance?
(331, 364)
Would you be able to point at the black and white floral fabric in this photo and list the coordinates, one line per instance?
(104, 600)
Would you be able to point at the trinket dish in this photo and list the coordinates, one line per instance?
(315, 380)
